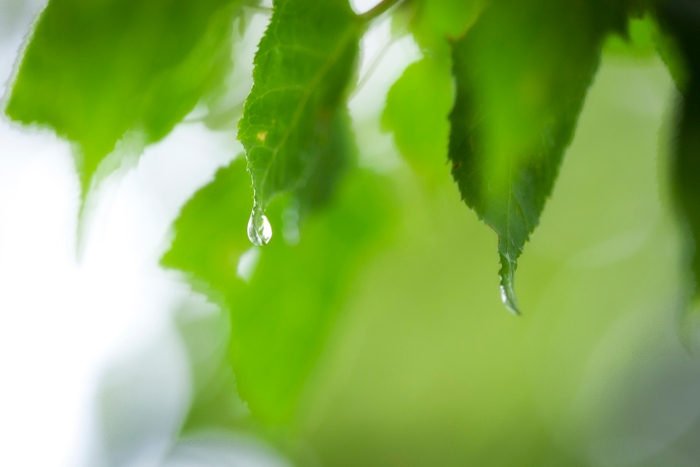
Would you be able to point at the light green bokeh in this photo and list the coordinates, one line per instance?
(428, 369)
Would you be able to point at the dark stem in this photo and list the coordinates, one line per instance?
(378, 10)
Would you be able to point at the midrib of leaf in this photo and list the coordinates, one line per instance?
(349, 34)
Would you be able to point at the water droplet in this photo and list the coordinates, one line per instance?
(507, 274)
(259, 228)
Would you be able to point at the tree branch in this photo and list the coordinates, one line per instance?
(378, 10)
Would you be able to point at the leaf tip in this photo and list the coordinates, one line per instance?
(507, 274)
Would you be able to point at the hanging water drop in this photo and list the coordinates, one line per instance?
(507, 274)
(508, 297)
(259, 228)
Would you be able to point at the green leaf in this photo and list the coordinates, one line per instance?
(437, 20)
(302, 69)
(417, 108)
(419, 103)
(96, 70)
(669, 51)
(522, 73)
(281, 315)
(681, 20)
(637, 41)
(214, 403)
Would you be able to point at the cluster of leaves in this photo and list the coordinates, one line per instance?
(497, 93)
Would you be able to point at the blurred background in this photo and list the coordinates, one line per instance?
(103, 354)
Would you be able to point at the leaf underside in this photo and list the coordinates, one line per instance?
(522, 72)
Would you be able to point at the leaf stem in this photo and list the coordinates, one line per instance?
(373, 66)
(378, 10)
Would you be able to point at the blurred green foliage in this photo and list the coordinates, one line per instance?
(280, 315)
(428, 370)
(682, 20)
(94, 71)
(369, 327)
(416, 112)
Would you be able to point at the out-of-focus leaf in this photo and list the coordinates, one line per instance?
(215, 402)
(522, 73)
(681, 19)
(436, 20)
(210, 232)
(417, 108)
(419, 103)
(637, 41)
(95, 70)
(302, 69)
(669, 51)
(283, 307)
